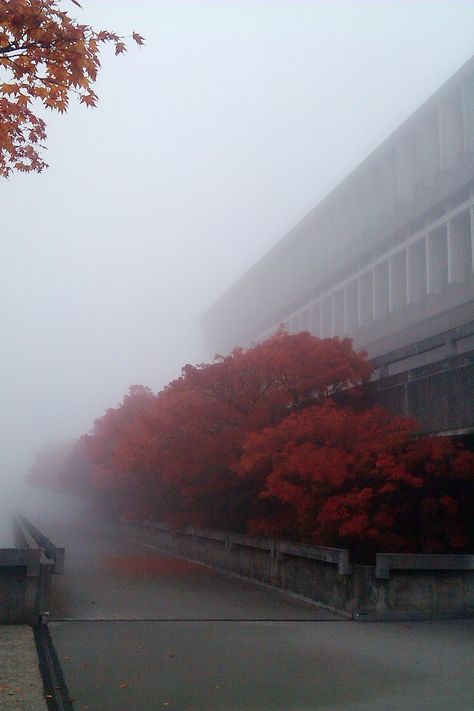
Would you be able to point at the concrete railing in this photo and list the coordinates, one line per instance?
(396, 587)
(26, 533)
(25, 574)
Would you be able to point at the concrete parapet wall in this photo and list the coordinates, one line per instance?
(397, 587)
(27, 533)
(25, 574)
(24, 584)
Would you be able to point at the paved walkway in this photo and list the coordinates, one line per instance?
(21, 686)
(137, 630)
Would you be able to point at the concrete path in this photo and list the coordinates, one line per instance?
(259, 666)
(21, 686)
(136, 630)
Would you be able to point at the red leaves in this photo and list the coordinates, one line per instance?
(138, 38)
(341, 477)
(89, 99)
(46, 56)
(253, 441)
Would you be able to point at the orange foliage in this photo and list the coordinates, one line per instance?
(45, 56)
(174, 455)
(338, 477)
(275, 441)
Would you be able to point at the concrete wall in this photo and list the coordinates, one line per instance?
(398, 587)
(400, 227)
(24, 585)
(25, 574)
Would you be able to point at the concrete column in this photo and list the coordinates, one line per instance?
(387, 188)
(331, 216)
(427, 141)
(459, 250)
(354, 211)
(381, 290)
(315, 320)
(351, 307)
(365, 199)
(304, 320)
(344, 217)
(398, 280)
(406, 168)
(338, 313)
(373, 189)
(468, 115)
(294, 324)
(366, 298)
(471, 220)
(326, 317)
(436, 261)
(450, 134)
(416, 272)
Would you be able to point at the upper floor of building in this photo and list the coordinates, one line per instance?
(389, 248)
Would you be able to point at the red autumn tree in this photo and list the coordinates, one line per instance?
(108, 476)
(338, 477)
(45, 57)
(272, 440)
(174, 456)
(236, 395)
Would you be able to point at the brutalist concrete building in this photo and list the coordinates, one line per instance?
(387, 258)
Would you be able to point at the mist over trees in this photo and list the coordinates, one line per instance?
(278, 440)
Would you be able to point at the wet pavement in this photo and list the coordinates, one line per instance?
(138, 630)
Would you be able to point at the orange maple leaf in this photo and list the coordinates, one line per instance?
(138, 38)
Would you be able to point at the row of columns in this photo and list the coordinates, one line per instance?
(421, 268)
(432, 143)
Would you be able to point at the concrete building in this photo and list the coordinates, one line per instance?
(387, 258)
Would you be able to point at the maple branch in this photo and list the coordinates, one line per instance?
(38, 36)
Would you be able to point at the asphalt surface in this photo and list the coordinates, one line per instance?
(137, 630)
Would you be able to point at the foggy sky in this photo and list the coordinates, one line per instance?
(209, 144)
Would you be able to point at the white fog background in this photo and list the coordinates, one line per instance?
(209, 144)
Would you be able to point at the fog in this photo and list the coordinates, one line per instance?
(208, 145)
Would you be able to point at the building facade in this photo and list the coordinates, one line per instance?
(387, 258)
